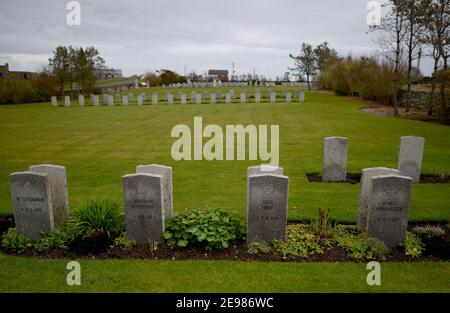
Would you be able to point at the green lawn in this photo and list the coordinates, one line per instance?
(37, 275)
(99, 145)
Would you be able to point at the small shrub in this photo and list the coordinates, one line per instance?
(16, 242)
(259, 247)
(300, 241)
(323, 225)
(378, 247)
(123, 242)
(211, 229)
(153, 246)
(97, 219)
(357, 245)
(430, 231)
(59, 239)
(413, 245)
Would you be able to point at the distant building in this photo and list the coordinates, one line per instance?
(107, 73)
(221, 75)
(6, 73)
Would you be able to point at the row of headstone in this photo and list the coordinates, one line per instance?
(197, 97)
(335, 158)
(218, 83)
(40, 201)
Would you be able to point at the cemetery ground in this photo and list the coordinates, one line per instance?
(98, 145)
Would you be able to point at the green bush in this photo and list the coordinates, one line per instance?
(300, 241)
(211, 229)
(259, 247)
(356, 244)
(97, 219)
(378, 247)
(16, 242)
(59, 239)
(413, 245)
(123, 242)
(323, 225)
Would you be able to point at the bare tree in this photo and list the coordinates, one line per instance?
(414, 11)
(304, 62)
(437, 23)
(394, 29)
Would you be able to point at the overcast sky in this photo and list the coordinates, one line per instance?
(138, 36)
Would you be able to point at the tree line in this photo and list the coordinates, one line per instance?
(70, 69)
(409, 30)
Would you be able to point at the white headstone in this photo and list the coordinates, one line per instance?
(54, 101)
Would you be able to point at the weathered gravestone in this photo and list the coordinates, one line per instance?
(264, 169)
(198, 98)
(31, 199)
(267, 200)
(273, 97)
(166, 173)
(95, 101)
(57, 183)
(213, 98)
(125, 100)
(67, 101)
(118, 98)
(54, 101)
(243, 97)
(301, 96)
(388, 202)
(257, 97)
(154, 99)
(169, 98)
(140, 100)
(130, 97)
(366, 175)
(228, 97)
(183, 98)
(110, 100)
(335, 159)
(410, 156)
(288, 97)
(81, 100)
(144, 212)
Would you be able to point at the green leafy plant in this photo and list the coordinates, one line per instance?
(323, 225)
(300, 241)
(356, 244)
(153, 246)
(211, 229)
(16, 242)
(378, 247)
(259, 247)
(97, 219)
(123, 242)
(413, 245)
(58, 239)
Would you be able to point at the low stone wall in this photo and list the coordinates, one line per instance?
(419, 99)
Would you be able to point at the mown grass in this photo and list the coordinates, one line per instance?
(99, 145)
(38, 275)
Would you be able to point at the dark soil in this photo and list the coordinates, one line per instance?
(355, 178)
(98, 247)
(6, 221)
(437, 248)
